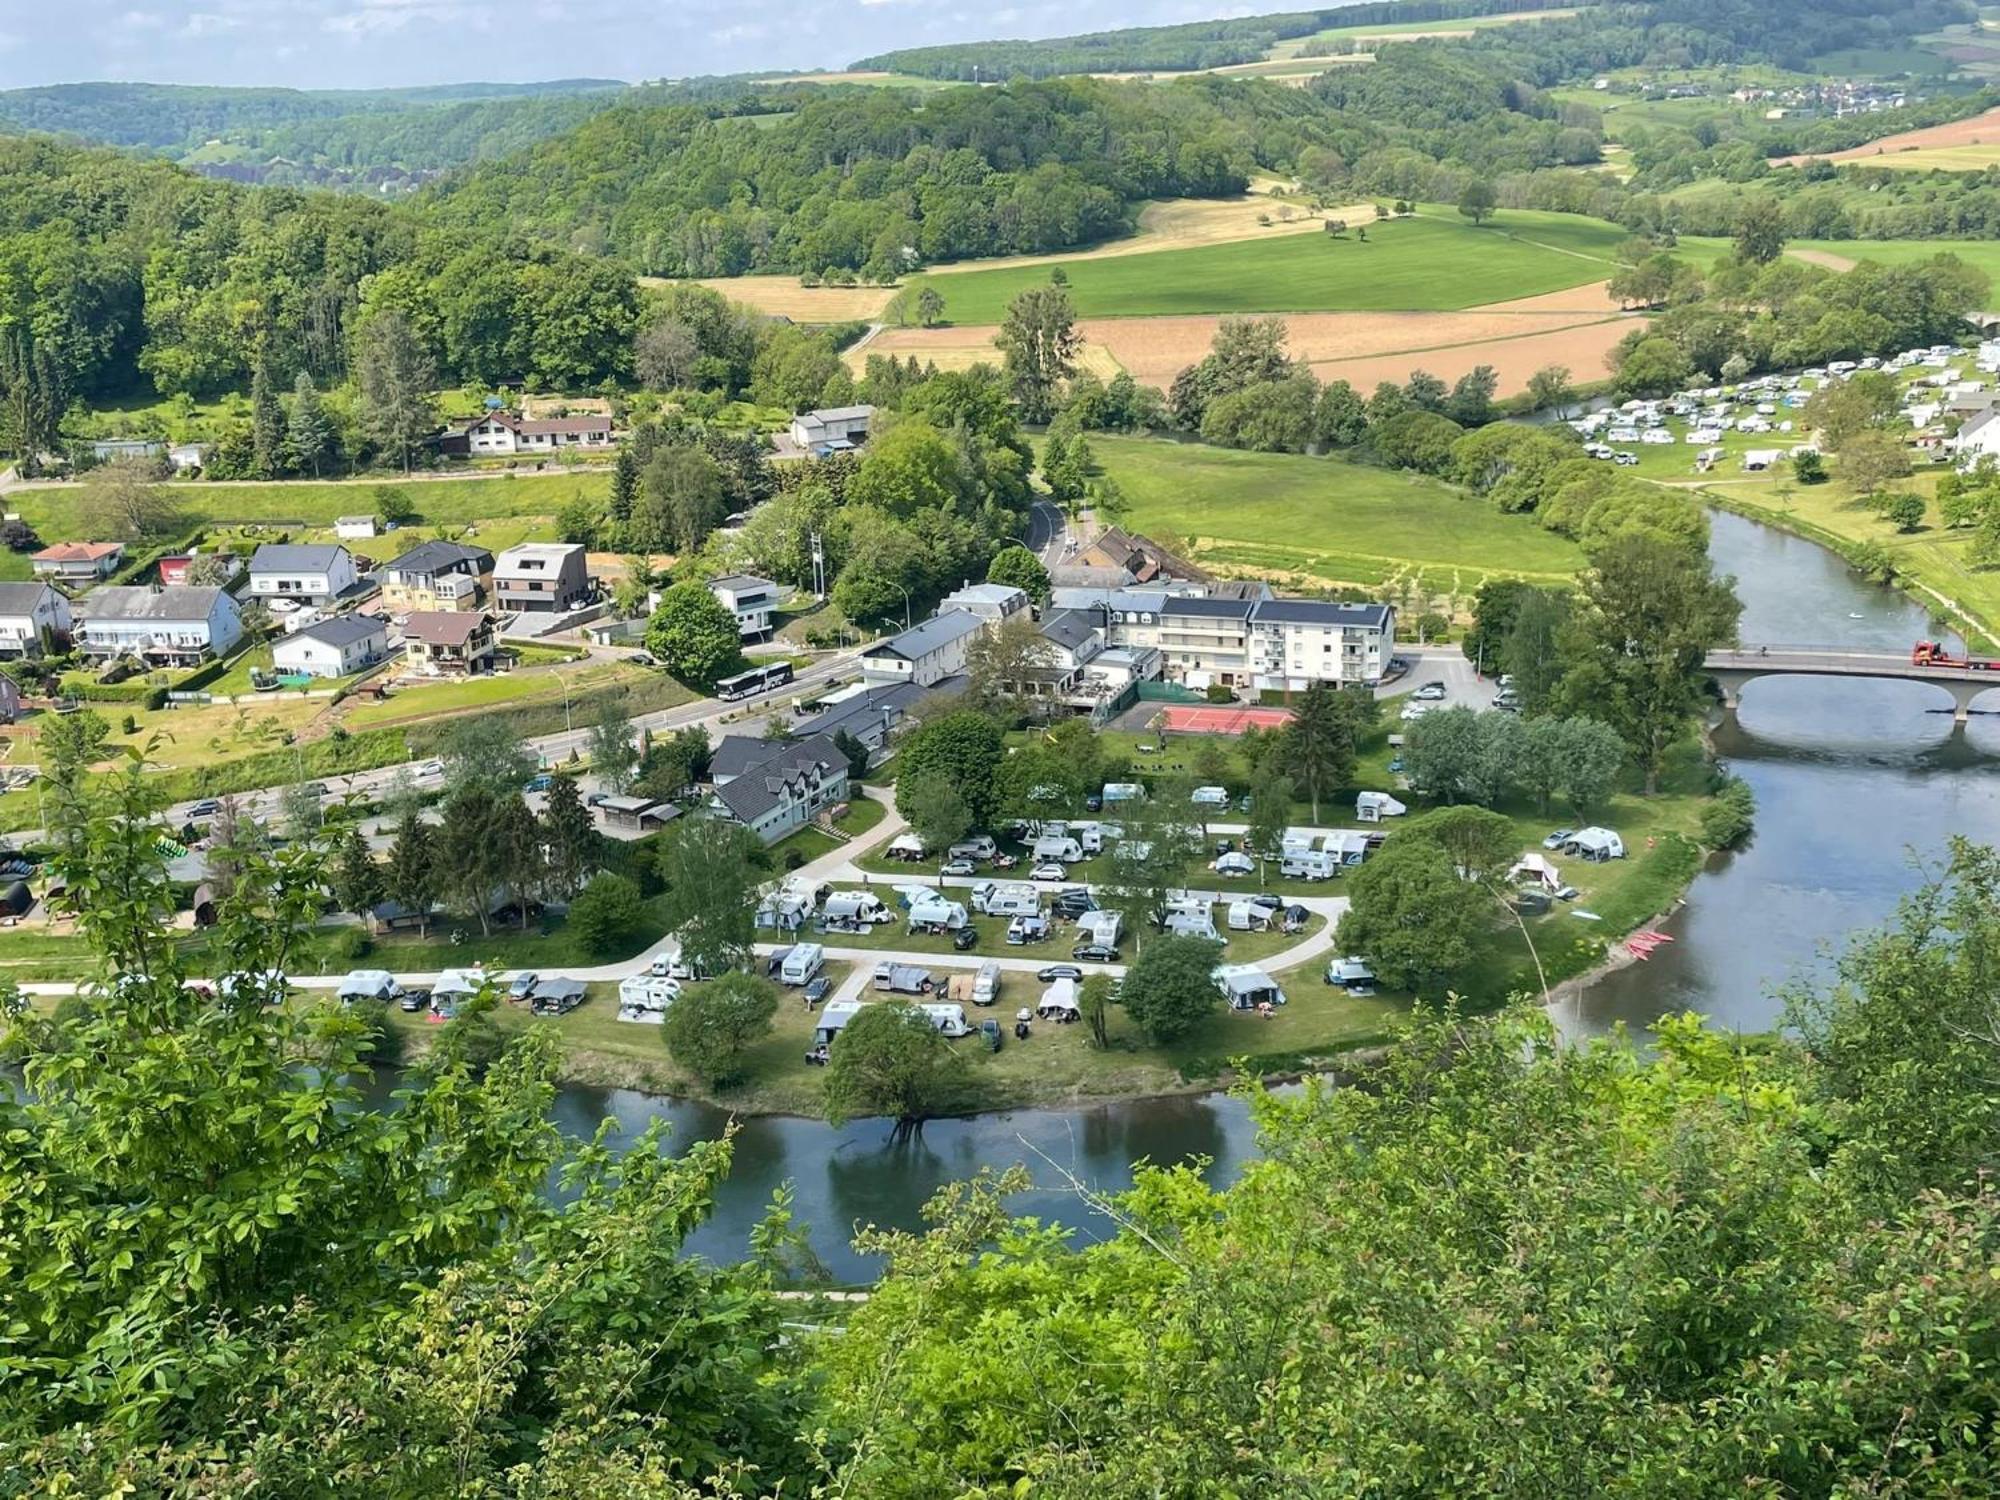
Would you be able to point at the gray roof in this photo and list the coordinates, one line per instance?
(738, 583)
(756, 791)
(1323, 612)
(838, 414)
(1217, 609)
(1082, 576)
(931, 635)
(987, 593)
(294, 557)
(21, 598)
(737, 753)
(1070, 628)
(131, 602)
(428, 559)
(864, 710)
(342, 630)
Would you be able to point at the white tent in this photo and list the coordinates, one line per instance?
(905, 846)
(1058, 1000)
(369, 984)
(458, 982)
(1535, 867)
(1234, 864)
(1596, 843)
(1246, 986)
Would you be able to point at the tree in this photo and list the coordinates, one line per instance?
(68, 745)
(711, 1027)
(1477, 200)
(1531, 651)
(1319, 744)
(484, 753)
(929, 306)
(122, 501)
(1018, 566)
(1808, 467)
(1871, 461)
(1270, 816)
(693, 635)
(666, 355)
(1652, 367)
(1039, 342)
(607, 915)
(890, 1060)
(1412, 917)
(1480, 844)
(395, 379)
(1841, 410)
(1550, 389)
(1730, 814)
(1169, 989)
(1648, 613)
(1093, 1005)
(1905, 511)
(1495, 605)
(964, 749)
(570, 841)
(1471, 401)
(711, 897)
(1454, 754)
(614, 750)
(308, 429)
(681, 500)
(625, 480)
(1760, 230)
(1006, 669)
(357, 879)
(469, 840)
(1585, 759)
(935, 809)
(414, 881)
(1149, 863)
(33, 397)
(267, 424)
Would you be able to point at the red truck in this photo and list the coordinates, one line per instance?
(1934, 654)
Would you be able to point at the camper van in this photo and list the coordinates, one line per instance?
(1308, 864)
(802, 963)
(903, 979)
(645, 997)
(1061, 848)
(937, 914)
(1089, 837)
(1373, 807)
(1210, 796)
(949, 1019)
(979, 847)
(1191, 924)
(856, 906)
(1123, 791)
(986, 987)
(1010, 900)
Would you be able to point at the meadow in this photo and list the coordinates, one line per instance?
(1323, 520)
(1433, 262)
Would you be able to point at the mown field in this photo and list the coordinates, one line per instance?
(1323, 520)
(1434, 262)
(1985, 254)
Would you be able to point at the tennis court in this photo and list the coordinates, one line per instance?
(1219, 718)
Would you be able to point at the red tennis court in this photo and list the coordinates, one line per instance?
(1219, 718)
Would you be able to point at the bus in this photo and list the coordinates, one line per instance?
(756, 680)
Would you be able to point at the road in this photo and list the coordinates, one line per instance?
(1048, 532)
(1463, 686)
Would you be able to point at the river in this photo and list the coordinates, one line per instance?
(1854, 781)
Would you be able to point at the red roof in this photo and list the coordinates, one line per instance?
(78, 551)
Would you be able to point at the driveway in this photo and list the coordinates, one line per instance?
(1463, 687)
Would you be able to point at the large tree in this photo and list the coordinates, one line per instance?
(965, 750)
(309, 434)
(1318, 750)
(1020, 567)
(891, 1060)
(1040, 341)
(413, 879)
(693, 634)
(396, 382)
(1414, 918)
(571, 844)
(681, 500)
(707, 866)
(711, 1027)
(1169, 989)
(934, 807)
(267, 424)
(124, 501)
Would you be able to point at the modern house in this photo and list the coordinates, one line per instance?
(303, 574)
(333, 648)
(437, 576)
(447, 643)
(786, 789)
(832, 429)
(925, 654)
(30, 614)
(165, 627)
(502, 433)
(992, 602)
(750, 598)
(78, 562)
(541, 578)
(1297, 642)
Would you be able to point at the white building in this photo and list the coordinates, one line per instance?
(786, 790)
(541, 578)
(926, 653)
(832, 428)
(333, 648)
(992, 602)
(306, 574)
(28, 612)
(1978, 438)
(1297, 642)
(748, 597)
(503, 433)
(167, 627)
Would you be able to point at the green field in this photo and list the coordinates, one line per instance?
(1435, 262)
(1309, 46)
(1323, 519)
(1985, 254)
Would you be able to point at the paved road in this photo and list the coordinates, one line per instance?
(1463, 686)
(1048, 532)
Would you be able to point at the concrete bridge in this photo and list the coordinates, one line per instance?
(1732, 669)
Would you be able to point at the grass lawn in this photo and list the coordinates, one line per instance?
(1434, 262)
(417, 699)
(1983, 254)
(1323, 520)
(811, 842)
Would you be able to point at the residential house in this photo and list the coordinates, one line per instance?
(305, 574)
(30, 614)
(541, 578)
(926, 654)
(785, 790)
(832, 429)
(78, 562)
(165, 627)
(333, 648)
(450, 643)
(1142, 559)
(174, 570)
(748, 597)
(868, 714)
(992, 602)
(1978, 438)
(503, 433)
(1297, 642)
(437, 576)
(1201, 641)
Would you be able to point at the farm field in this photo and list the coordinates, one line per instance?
(1841, 254)
(1963, 145)
(1432, 262)
(783, 297)
(957, 348)
(1322, 521)
(1309, 46)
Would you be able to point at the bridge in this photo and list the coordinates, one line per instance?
(1732, 669)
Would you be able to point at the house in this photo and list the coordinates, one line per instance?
(301, 573)
(1297, 642)
(992, 602)
(748, 597)
(166, 627)
(541, 578)
(926, 654)
(502, 432)
(78, 562)
(174, 570)
(31, 613)
(785, 790)
(1978, 438)
(832, 429)
(1140, 558)
(354, 528)
(1201, 641)
(637, 815)
(868, 714)
(437, 576)
(448, 643)
(333, 648)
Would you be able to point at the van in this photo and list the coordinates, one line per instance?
(981, 847)
(856, 906)
(949, 1019)
(1308, 864)
(1010, 900)
(802, 963)
(986, 986)
(1030, 927)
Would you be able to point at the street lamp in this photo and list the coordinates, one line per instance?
(906, 601)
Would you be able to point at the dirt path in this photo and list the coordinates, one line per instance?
(1824, 258)
(1980, 129)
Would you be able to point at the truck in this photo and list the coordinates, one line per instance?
(1937, 654)
(802, 963)
(986, 984)
(903, 979)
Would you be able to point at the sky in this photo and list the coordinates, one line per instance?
(379, 43)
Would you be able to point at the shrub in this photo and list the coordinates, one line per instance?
(386, 1045)
(1729, 816)
(607, 914)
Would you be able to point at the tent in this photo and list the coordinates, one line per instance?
(458, 983)
(905, 846)
(17, 900)
(557, 996)
(1533, 868)
(1596, 844)
(369, 984)
(1352, 974)
(1245, 987)
(1234, 864)
(204, 905)
(1058, 1002)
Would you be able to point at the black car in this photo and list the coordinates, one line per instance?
(1268, 901)
(1094, 803)
(989, 1033)
(1225, 846)
(965, 937)
(414, 1000)
(818, 990)
(1053, 972)
(1094, 953)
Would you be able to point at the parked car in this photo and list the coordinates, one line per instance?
(522, 985)
(1049, 872)
(1557, 839)
(640, 659)
(208, 807)
(1225, 846)
(965, 937)
(1267, 901)
(1429, 692)
(541, 781)
(1094, 953)
(1052, 972)
(1094, 803)
(958, 867)
(413, 1001)
(597, 799)
(1396, 765)
(989, 1033)
(431, 768)
(817, 990)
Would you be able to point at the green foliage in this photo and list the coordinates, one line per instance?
(711, 1027)
(1168, 990)
(1413, 917)
(890, 1060)
(1021, 568)
(711, 901)
(693, 635)
(963, 752)
(1808, 467)
(1729, 816)
(934, 806)
(607, 915)
(1038, 342)
(1904, 511)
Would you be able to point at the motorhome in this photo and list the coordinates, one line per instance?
(1347, 846)
(903, 979)
(1210, 796)
(802, 963)
(1099, 927)
(949, 1019)
(370, 984)
(1373, 807)
(856, 906)
(1296, 841)
(986, 986)
(1247, 916)
(1309, 864)
(937, 915)
(1186, 904)
(645, 998)
(980, 847)
(1012, 899)
(1191, 924)
(1089, 837)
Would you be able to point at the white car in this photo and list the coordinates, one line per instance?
(1050, 871)
(1430, 692)
(1414, 711)
(431, 768)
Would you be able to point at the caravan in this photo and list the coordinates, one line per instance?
(1347, 846)
(1010, 900)
(1060, 848)
(1099, 927)
(1308, 864)
(949, 1019)
(644, 998)
(1248, 916)
(986, 987)
(980, 846)
(1246, 987)
(1089, 837)
(802, 963)
(1373, 807)
(936, 915)
(863, 907)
